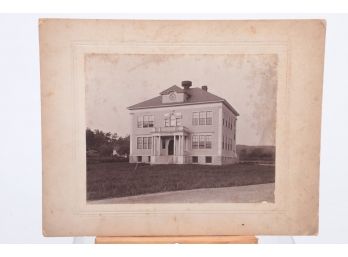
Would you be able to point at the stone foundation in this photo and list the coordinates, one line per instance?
(172, 159)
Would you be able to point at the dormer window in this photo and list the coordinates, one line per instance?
(175, 94)
(172, 96)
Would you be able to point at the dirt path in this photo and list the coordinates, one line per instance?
(239, 194)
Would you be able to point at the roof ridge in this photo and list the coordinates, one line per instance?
(197, 96)
(172, 88)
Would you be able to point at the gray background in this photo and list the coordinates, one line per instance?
(20, 151)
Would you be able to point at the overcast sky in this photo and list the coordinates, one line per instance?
(247, 82)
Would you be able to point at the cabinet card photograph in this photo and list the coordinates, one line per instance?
(174, 128)
(152, 137)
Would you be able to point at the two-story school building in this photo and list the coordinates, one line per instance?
(183, 125)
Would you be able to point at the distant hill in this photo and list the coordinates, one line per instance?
(251, 153)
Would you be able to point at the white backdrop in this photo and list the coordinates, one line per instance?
(20, 143)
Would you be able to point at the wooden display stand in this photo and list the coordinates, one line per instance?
(177, 240)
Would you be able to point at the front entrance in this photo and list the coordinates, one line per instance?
(171, 147)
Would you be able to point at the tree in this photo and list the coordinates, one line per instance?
(90, 141)
(106, 150)
(104, 143)
(123, 145)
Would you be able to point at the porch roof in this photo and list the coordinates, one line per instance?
(170, 130)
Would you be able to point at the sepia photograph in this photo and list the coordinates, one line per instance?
(167, 128)
(180, 128)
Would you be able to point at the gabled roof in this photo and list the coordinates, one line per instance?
(196, 96)
(171, 89)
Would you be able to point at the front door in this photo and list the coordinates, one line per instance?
(171, 147)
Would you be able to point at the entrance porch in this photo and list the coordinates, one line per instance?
(170, 145)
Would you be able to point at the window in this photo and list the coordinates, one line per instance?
(234, 131)
(140, 122)
(201, 142)
(208, 142)
(139, 158)
(172, 96)
(178, 121)
(209, 118)
(151, 121)
(163, 144)
(208, 159)
(194, 142)
(194, 159)
(172, 121)
(223, 142)
(146, 121)
(195, 118)
(202, 118)
(140, 143)
(150, 142)
(144, 142)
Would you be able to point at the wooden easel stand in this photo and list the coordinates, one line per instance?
(177, 240)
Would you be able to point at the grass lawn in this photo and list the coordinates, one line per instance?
(117, 179)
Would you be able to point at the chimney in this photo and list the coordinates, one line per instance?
(186, 84)
(205, 88)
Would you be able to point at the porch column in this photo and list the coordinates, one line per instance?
(153, 145)
(159, 145)
(183, 144)
(174, 144)
(180, 145)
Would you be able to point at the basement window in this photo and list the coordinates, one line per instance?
(208, 159)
